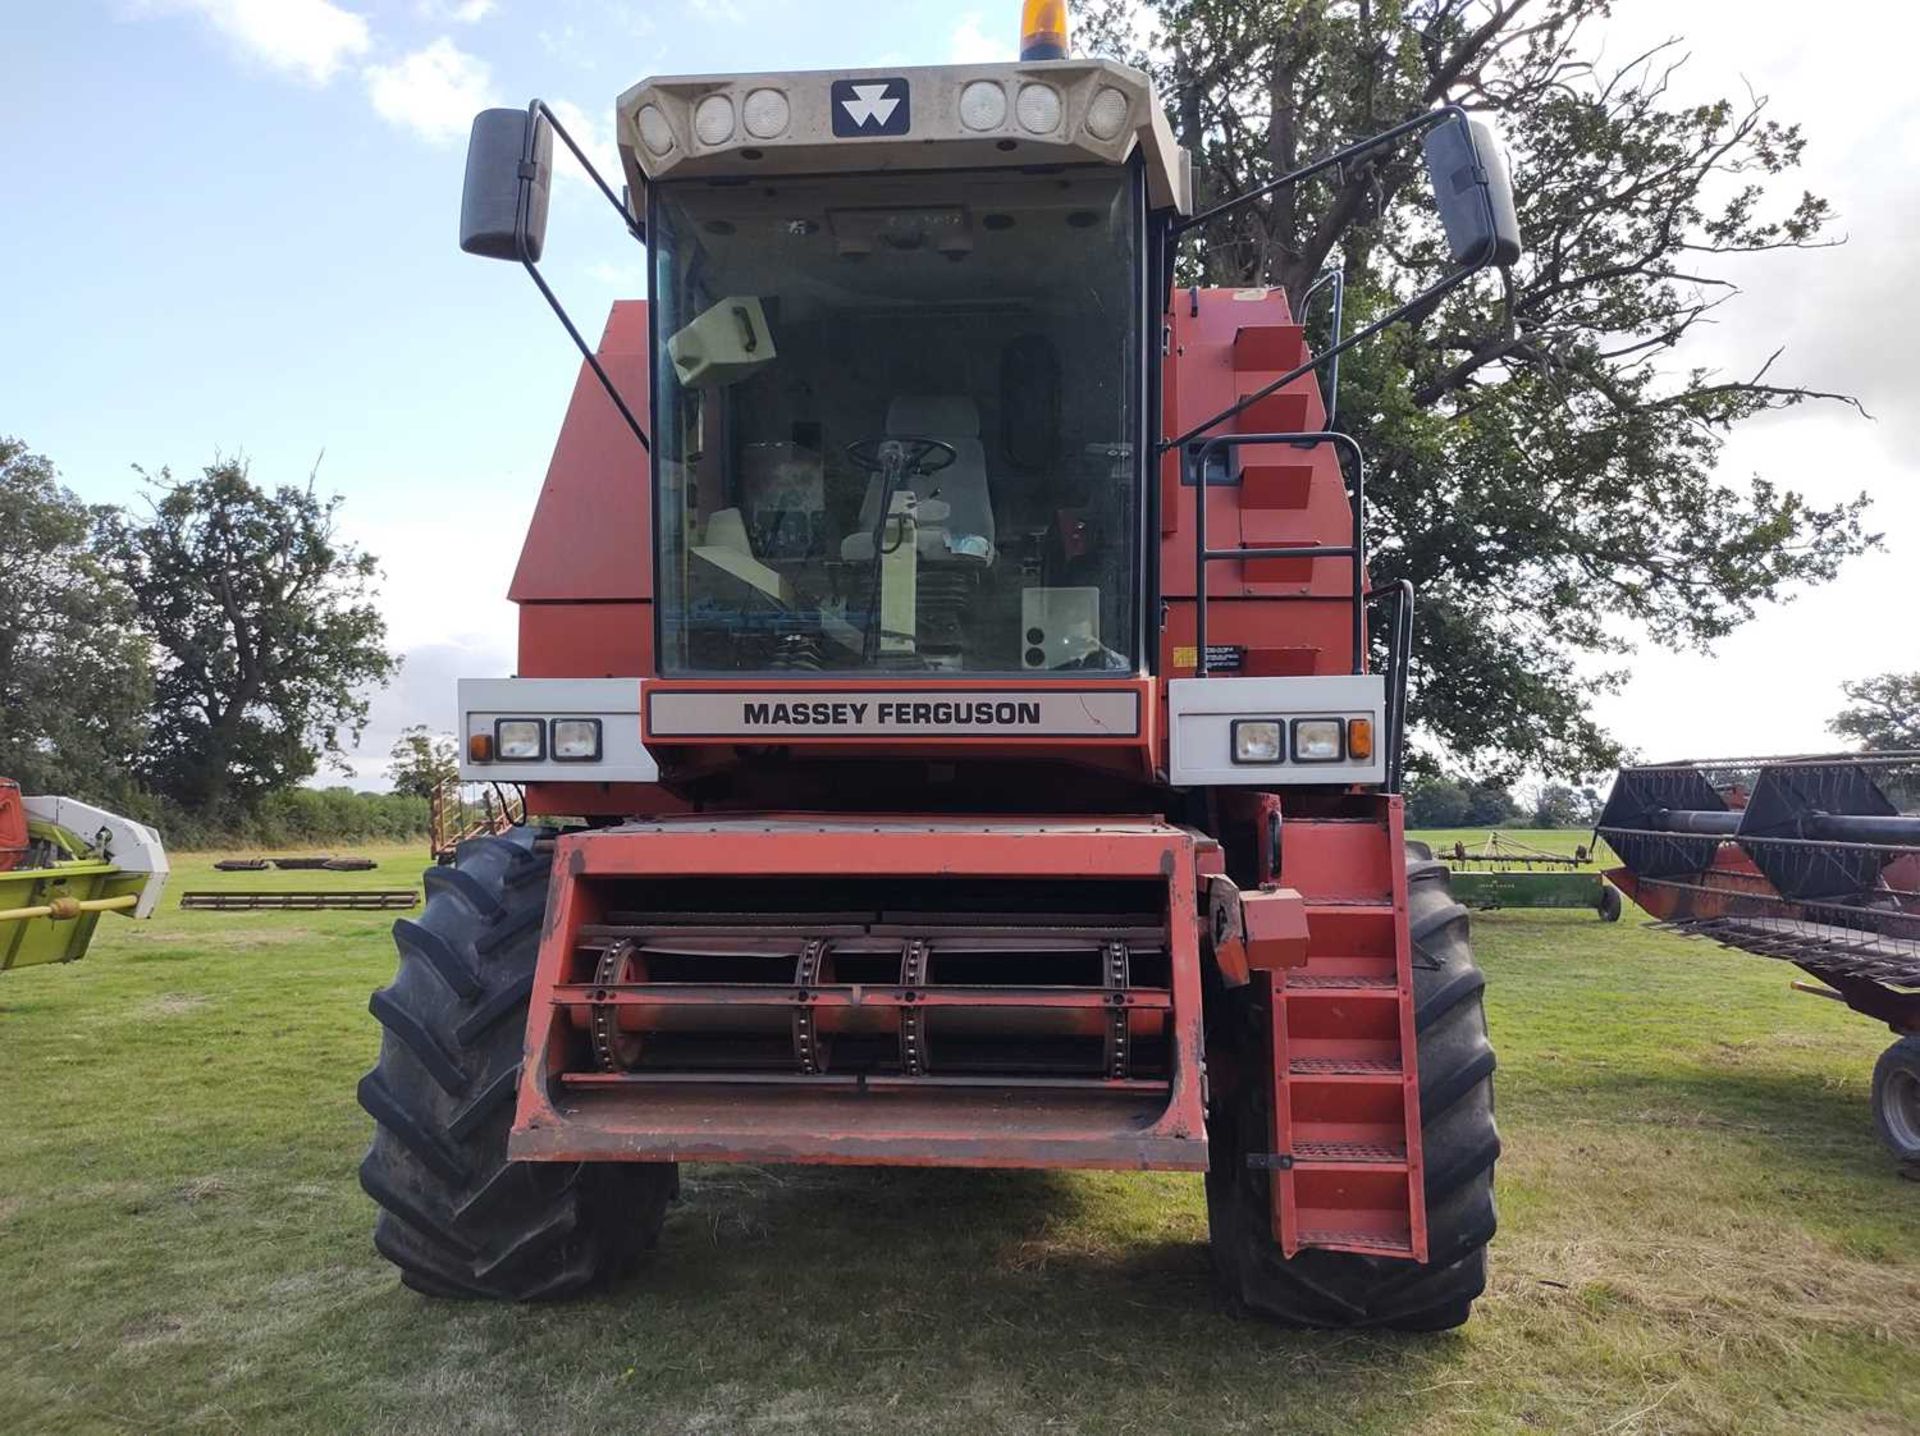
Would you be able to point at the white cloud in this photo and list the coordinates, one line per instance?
(307, 38)
(459, 12)
(434, 92)
(972, 45)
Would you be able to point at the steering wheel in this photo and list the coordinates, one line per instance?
(911, 453)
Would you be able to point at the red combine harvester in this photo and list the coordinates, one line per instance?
(968, 681)
(1812, 860)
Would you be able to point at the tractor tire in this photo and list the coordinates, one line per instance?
(1896, 1100)
(1459, 1142)
(456, 1217)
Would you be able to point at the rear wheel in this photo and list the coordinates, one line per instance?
(1896, 1100)
(1458, 1140)
(456, 1217)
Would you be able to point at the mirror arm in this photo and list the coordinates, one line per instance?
(1425, 121)
(1426, 297)
(536, 112)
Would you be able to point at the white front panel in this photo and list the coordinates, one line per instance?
(1201, 713)
(614, 701)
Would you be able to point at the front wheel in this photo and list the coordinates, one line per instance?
(1458, 1139)
(456, 1217)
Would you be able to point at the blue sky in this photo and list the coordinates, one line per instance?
(230, 229)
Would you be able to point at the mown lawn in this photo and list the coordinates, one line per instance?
(1700, 1233)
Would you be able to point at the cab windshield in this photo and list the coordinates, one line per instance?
(895, 423)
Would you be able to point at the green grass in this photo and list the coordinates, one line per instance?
(1700, 1233)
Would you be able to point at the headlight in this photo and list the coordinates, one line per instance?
(519, 740)
(1257, 740)
(1319, 740)
(576, 740)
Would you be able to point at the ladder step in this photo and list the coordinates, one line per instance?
(1372, 1241)
(1368, 1152)
(1346, 1066)
(1340, 982)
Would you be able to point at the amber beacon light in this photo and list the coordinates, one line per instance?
(1043, 30)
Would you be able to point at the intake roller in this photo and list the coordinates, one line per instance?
(947, 1002)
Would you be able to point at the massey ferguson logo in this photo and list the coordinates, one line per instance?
(865, 108)
(1052, 712)
(983, 714)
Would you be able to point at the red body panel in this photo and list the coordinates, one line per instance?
(591, 536)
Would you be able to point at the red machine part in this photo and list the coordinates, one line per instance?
(1347, 1151)
(1020, 1099)
(13, 826)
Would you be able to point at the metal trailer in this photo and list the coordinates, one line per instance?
(997, 768)
(62, 864)
(1814, 860)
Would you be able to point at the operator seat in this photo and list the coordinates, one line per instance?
(965, 530)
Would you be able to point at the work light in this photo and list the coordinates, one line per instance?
(1257, 740)
(576, 740)
(1319, 740)
(520, 740)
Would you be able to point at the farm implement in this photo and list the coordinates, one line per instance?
(63, 864)
(352, 900)
(1811, 860)
(1504, 872)
(979, 734)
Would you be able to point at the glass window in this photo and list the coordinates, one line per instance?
(895, 423)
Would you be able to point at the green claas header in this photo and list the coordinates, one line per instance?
(63, 864)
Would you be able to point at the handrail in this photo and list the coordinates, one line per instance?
(1202, 555)
(1399, 660)
(1336, 281)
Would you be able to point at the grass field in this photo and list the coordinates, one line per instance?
(1699, 1233)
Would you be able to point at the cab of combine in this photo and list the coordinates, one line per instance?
(952, 646)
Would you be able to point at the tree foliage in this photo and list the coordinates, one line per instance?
(1542, 464)
(1882, 714)
(421, 761)
(74, 672)
(266, 633)
(1435, 801)
(1558, 805)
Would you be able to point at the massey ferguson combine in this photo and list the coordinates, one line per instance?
(953, 644)
(1811, 860)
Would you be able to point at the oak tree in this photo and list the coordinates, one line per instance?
(1542, 456)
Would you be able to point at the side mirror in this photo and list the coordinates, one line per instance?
(1473, 192)
(508, 186)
